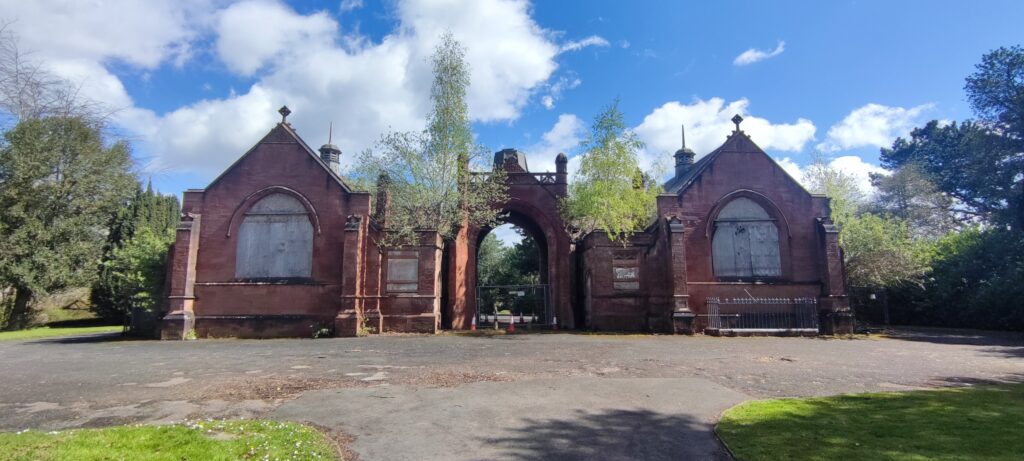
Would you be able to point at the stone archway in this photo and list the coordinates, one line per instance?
(532, 204)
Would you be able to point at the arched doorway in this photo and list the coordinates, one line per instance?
(512, 276)
(533, 205)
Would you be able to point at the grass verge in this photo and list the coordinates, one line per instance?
(984, 422)
(201, 440)
(47, 332)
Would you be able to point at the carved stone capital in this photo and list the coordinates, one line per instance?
(352, 222)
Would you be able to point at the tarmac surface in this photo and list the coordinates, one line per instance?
(529, 396)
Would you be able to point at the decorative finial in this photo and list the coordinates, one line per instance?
(682, 128)
(285, 112)
(737, 119)
(330, 132)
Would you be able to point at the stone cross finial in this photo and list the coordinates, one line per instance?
(737, 119)
(285, 112)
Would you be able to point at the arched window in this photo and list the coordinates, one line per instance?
(746, 241)
(275, 240)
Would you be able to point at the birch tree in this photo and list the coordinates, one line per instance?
(428, 174)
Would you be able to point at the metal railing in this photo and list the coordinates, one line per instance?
(769, 315)
(504, 304)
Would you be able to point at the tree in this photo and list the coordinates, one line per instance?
(610, 193)
(976, 167)
(879, 251)
(909, 195)
(136, 231)
(978, 163)
(489, 260)
(498, 264)
(59, 183)
(428, 174)
(134, 274)
(996, 91)
(28, 91)
(845, 196)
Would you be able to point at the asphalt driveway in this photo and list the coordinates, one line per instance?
(571, 396)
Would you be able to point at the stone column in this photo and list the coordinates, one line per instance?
(682, 316)
(351, 316)
(431, 246)
(834, 306)
(461, 310)
(179, 323)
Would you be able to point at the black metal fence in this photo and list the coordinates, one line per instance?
(502, 304)
(768, 315)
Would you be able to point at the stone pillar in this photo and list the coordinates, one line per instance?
(431, 246)
(682, 316)
(462, 302)
(179, 323)
(351, 316)
(834, 307)
(562, 174)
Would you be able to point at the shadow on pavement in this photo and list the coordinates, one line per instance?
(1006, 343)
(611, 435)
(961, 381)
(88, 339)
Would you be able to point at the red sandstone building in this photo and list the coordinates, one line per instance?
(280, 245)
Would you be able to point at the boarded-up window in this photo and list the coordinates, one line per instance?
(403, 271)
(746, 241)
(625, 271)
(275, 240)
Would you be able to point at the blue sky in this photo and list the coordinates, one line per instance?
(196, 83)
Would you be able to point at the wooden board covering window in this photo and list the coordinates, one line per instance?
(625, 271)
(746, 241)
(403, 271)
(275, 240)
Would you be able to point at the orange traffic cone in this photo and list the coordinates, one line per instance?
(472, 325)
(511, 324)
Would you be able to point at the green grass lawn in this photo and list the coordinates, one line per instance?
(202, 440)
(46, 332)
(985, 422)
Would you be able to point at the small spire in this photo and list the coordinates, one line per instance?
(737, 119)
(684, 157)
(330, 133)
(285, 112)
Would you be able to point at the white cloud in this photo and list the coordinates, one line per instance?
(872, 125)
(577, 45)
(792, 168)
(860, 170)
(850, 165)
(251, 33)
(556, 89)
(564, 137)
(306, 61)
(708, 123)
(624, 44)
(349, 5)
(754, 55)
(142, 34)
(78, 41)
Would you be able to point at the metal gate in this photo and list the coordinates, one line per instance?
(767, 315)
(499, 305)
